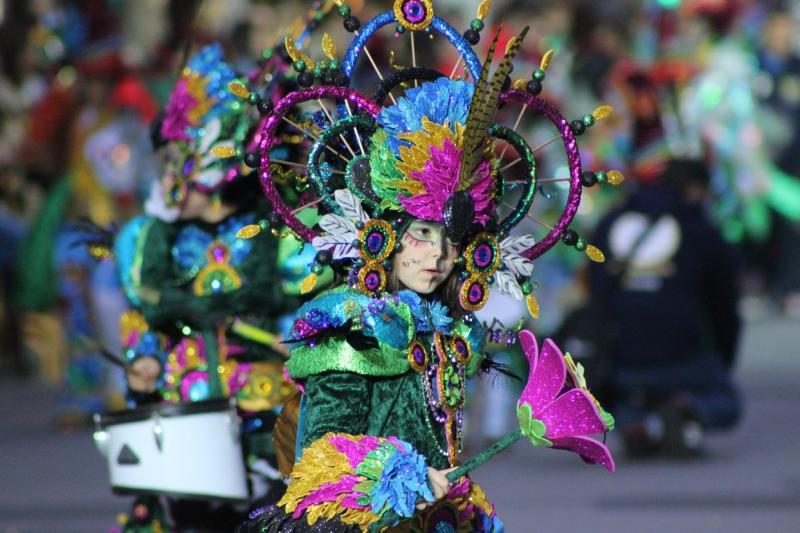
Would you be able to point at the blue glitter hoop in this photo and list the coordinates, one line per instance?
(451, 34)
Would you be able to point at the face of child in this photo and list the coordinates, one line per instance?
(426, 258)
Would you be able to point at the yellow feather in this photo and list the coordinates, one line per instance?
(483, 9)
(239, 89)
(223, 151)
(546, 58)
(533, 305)
(615, 177)
(602, 112)
(328, 46)
(291, 49)
(595, 254)
(308, 283)
(249, 231)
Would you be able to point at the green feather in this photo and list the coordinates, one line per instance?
(383, 170)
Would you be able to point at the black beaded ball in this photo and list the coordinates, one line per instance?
(265, 107)
(324, 257)
(588, 178)
(534, 87)
(472, 36)
(570, 237)
(306, 79)
(577, 126)
(251, 159)
(351, 24)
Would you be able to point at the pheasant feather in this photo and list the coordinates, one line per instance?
(484, 105)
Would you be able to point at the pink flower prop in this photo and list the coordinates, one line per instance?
(440, 178)
(555, 413)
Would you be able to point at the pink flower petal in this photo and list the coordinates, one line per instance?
(571, 414)
(547, 375)
(590, 450)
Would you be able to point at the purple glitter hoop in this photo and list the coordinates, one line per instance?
(574, 161)
(361, 103)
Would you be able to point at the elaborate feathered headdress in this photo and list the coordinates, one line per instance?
(214, 132)
(426, 145)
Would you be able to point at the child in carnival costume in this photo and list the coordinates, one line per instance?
(214, 297)
(418, 226)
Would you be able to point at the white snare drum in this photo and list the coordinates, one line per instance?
(189, 449)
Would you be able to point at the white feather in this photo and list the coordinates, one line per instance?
(336, 225)
(517, 245)
(351, 205)
(211, 134)
(518, 265)
(506, 282)
(341, 246)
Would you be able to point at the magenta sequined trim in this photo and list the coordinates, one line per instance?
(354, 97)
(573, 157)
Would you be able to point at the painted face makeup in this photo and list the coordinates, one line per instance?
(427, 257)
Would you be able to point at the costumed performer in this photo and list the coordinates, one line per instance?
(215, 297)
(415, 229)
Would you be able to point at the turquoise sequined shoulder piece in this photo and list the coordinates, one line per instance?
(388, 320)
(191, 244)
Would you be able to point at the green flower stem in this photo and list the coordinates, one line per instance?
(505, 441)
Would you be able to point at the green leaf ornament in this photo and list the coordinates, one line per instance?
(532, 428)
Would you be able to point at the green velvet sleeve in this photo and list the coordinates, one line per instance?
(261, 295)
(336, 402)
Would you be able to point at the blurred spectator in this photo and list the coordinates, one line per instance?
(676, 306)
(778, 86)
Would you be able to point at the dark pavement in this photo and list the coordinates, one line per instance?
(748, 482)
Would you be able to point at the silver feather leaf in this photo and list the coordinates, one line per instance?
(518, 265)
(341, 246)
(517, 244)
(350, 205)
(507, 283)
(336, 225)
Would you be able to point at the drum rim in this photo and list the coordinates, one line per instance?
(164, 410)
(133, 491)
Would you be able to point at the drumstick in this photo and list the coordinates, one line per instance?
(107, 354)
(253, 333)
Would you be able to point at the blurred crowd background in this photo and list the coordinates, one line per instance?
(711, 81)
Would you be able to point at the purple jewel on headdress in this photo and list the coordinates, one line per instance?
(372, 280)
(475, 293)
(418, 354)
(461, 346)
(375, 242)
(414, 10)
(483, 255)
(301, 329)
(219, 253)
(188, 166)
